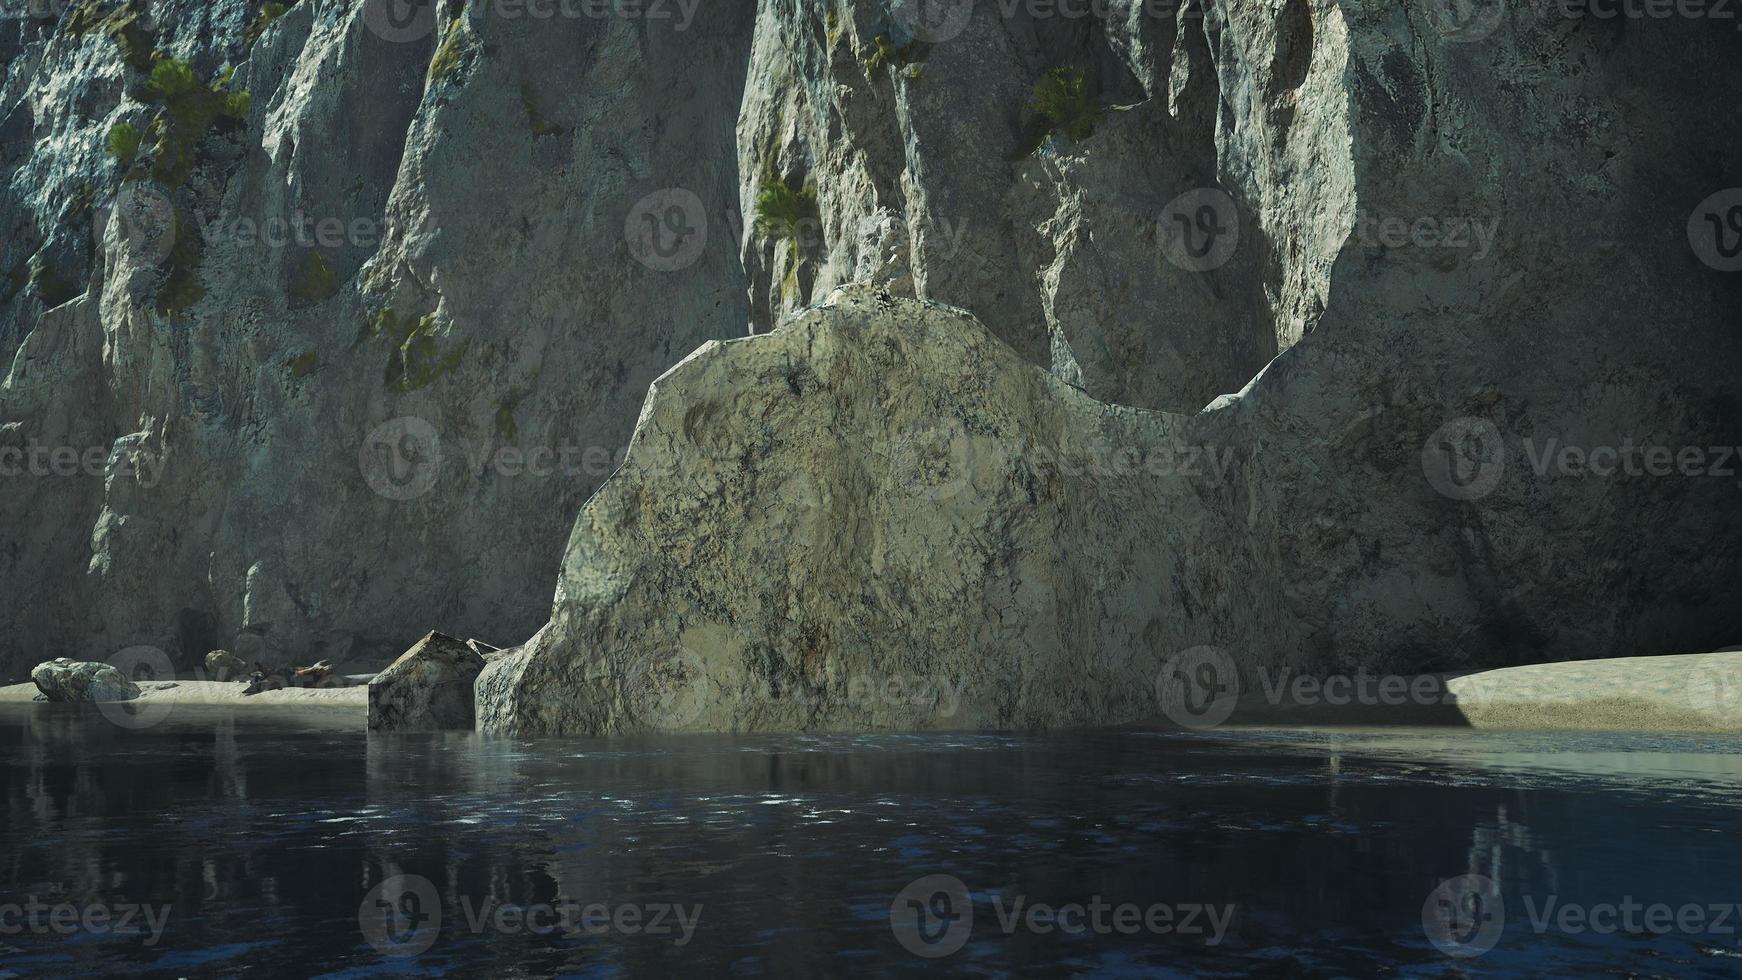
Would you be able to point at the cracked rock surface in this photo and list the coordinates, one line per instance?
(1395, 283)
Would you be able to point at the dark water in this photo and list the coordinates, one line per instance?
(264, 839)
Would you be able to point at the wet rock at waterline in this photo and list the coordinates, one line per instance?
(428, 688)
(82, 680)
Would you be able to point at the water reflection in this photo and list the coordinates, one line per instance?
(265, 835)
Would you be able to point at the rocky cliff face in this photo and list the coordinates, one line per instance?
(407, 258)
(1421, 252)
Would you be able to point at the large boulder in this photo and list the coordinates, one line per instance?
(67, 680)
(428, 688)
(881, 516)
(877, 516)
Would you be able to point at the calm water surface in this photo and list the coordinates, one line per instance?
(268, 841)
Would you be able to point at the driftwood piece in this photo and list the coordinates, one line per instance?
(266, 678)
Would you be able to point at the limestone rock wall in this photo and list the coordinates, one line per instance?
(1465, 244)
(319, 472)
(1334, 246)
(879, 492)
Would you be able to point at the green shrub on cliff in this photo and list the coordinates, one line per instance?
(1062, 96)
(179, 126)
(121, 24)
(172, 78)
(783, 213)
(123, 142)
(1062, 99)
(269, 12)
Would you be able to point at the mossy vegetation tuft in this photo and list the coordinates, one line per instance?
(785, 213)
(1065, 106)
(415, 357)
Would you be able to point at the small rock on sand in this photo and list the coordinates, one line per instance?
(222, 665)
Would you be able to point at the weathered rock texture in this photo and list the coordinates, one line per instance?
(74, 680)
(429, 688)
(879, 489)
(252, 501)
(222, 665)
(253, 490)
(1586, 319)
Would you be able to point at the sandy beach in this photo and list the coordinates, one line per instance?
(1682, 693)
(352, 695)
(1685, 693)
